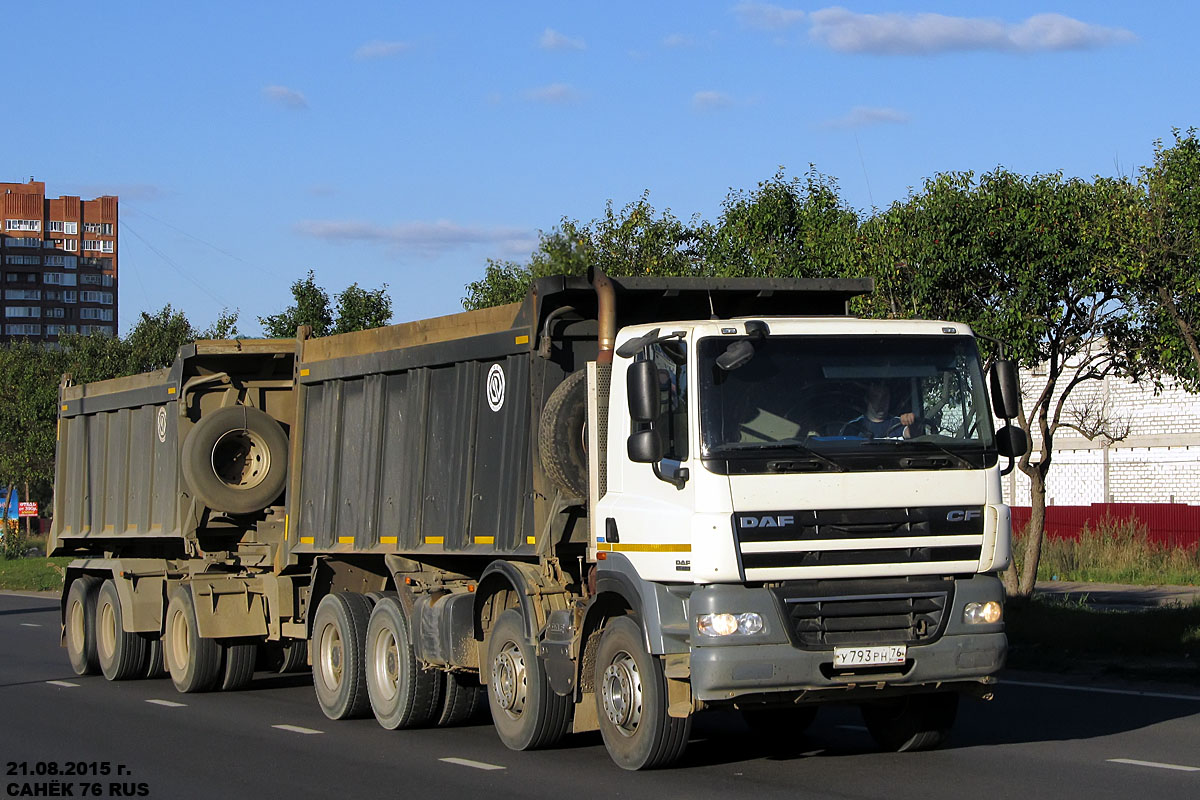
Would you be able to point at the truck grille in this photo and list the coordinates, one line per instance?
(839, 544)
(835, 616)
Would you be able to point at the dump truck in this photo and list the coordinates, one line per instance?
(614, 505)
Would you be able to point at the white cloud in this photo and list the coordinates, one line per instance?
(679, 40)
(863, 116)
(767, 17)
(288, 98)
(380, 49)
(711, 101)
(553, 40)
(913, 34)
(553, 94)
(423, 238)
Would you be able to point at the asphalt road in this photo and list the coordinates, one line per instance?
(1036, 740)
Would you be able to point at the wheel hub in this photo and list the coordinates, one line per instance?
(509, 681)
(621, 694)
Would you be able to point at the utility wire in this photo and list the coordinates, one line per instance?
(181, 272)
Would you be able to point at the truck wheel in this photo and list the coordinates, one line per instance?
(156, 667)
(631, 701)
(235, 459)
(338, 652)
(122, 655)
(528, 715)
(193, 661)
(908, 724)
(465, 699)
(287, 655)
(403, 694)
(561, 435)
(80, 625)
(239, 665)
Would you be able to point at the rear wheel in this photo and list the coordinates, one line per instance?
(156, 667)
(631, 701)
(193, 661)
(403, 694)
(80, 624)
(465, 699)
(121, 653)
(239, 665)
(916, 722)
(526, 712)
(338, 652)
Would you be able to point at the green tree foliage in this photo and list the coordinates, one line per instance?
(357, 309)
(29, 380)
(1165, 281)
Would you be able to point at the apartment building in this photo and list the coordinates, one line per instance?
(59, 271)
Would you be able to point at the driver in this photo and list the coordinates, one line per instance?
(878, 422)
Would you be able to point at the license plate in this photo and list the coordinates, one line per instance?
(869, 656)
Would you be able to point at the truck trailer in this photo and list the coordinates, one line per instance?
(614, 505)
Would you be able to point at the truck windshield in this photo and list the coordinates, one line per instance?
(817, 403)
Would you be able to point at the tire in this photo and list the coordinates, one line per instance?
(338, 653)
(156, 667)
(403, 694)
(79, 620)
(779, 726)
(465, 699)
(909, 724)
(238, 670)
(285, 656)
(235, 460)
(122, 655)
(562, 435)
(528, 715)
(631, 701)
(193, 661)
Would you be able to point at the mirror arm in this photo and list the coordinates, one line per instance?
(678, 480)
(1012, 462)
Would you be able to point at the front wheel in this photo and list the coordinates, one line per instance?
(631, 701)
(526, 712)
(908, 724)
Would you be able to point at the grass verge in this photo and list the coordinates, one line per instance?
(1054, 635)
(1116, 550)
(32, 574)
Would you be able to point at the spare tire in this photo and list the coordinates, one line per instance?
(562, 435)
(235, 460)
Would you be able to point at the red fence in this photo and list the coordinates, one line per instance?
(1170, 524)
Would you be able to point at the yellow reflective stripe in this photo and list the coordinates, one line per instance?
(485, 540)
(530, 540)
(171, 390)
(345, 540)
(388, 540)
(522, 340)
(644, 548)
(303, 373)
(306, 540)
(433, 539)
(286, 520)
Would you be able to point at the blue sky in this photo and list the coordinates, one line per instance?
(405, 143)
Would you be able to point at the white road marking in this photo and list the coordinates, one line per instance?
(1099, 690)
(812, 753)
(168, 703)
(464, 762)
(853, 727)
(30, 625)
(296, 729)
(1155, 764)
(68, 684)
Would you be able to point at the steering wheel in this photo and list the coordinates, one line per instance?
(897, 429)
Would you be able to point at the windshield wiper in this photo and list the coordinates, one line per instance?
(925, 444)
(754, 448)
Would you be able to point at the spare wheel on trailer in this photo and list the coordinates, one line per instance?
(235, 459)
(562, 435)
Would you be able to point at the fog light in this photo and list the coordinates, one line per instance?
(728, 624)
(988, 613)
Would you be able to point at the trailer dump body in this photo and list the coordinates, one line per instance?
(606, 507)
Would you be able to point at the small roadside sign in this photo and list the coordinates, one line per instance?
(27, 509)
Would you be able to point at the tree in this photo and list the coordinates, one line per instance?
(1164, 283)
(311, 308)
(225, 327)
(1030, 261)
(155, 340)
(29, 380)
(359, 309)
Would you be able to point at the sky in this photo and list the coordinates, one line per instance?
(407, 143)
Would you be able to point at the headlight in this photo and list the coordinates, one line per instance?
(988, 613)
(728, 624)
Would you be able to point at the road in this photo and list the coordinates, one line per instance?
(1036, 740)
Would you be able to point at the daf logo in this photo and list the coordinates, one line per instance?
(965, 515)
(781, 521)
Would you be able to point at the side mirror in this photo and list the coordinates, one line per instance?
(1006, 389)
(645, 447)
(643, 391)
(1012, 441)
